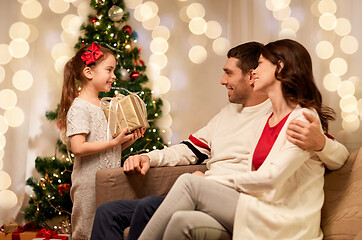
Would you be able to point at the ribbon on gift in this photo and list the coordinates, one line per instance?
(116, 114)
(50, 234)
(30, 226)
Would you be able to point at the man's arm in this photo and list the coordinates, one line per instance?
(309, 136)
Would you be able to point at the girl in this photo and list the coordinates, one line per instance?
(86, 126)
(281, 195)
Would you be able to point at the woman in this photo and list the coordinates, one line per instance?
(281, 195)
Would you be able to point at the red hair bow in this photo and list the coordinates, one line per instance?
(93, 54)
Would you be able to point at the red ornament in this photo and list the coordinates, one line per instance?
(134, 75)
(94, 19)
(62, 188)
(128, 29)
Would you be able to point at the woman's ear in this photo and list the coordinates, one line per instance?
(87, 71)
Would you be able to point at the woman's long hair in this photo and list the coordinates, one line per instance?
(294, 70)
(74, 78)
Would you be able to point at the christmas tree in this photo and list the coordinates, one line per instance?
(108, 27)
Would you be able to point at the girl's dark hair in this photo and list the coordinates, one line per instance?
(294, 70)
(73, 79)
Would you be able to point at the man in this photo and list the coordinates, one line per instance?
(223, 144)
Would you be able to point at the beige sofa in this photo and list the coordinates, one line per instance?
(341, 213)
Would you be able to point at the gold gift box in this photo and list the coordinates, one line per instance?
(124, 111)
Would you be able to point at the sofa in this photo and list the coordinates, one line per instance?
(341, 213)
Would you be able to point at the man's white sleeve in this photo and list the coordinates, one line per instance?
(333, 155)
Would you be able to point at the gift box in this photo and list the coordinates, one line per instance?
(5, 236)
(11, 227)
(124, 112)
(50, 235)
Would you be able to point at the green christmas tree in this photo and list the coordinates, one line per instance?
(108, 27)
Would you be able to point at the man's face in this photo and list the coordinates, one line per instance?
(236, 82)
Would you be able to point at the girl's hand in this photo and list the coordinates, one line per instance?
(122, 137)
(136, 134)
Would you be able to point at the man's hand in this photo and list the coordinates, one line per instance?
(137, 164)
(307, 136)
(198, 173)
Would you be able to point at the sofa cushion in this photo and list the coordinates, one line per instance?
(342, 210)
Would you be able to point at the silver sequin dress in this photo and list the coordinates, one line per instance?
(86, 118)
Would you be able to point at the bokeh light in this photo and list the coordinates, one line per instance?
(18, 48)
(14, 116)
(328, 21)
(195, 10)
(161, 32)
(8, 199)
(8, 99)
(5, 180)
(290, 23)
(349, 44)
(351, 126)
(5, 56)
(153, 70)
(331, 82)
(343, 27)
(58, 6)
(61, 49)
(2, 141)
(348, 103)
(324, 49)
(4, 125)
(221, 46)
(151, 23)
(2, 73)
(161, 84)
(19, 30)
(22, 80)
(159, 59)
(31, 9)
(346, 88)
(34, 33)
(287, 33)
(159, 45)
(213, 29)
(60, 63)
(197, 54)
(327, 6)
(282, 14)
(183, 14)
(197, 26)
(338, 66)
(132, 4)
(165, 121)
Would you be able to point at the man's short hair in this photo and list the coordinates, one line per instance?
(248, 55)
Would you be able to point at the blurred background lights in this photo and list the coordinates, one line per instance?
(162, 84)
(132, 4)
(338, 66)
(153, 70)
(5, 180)
(149, 10)
(18, 48)
(328, 21)
(213, 29)
(331, 82)
(324, 49)
(183, 14)
(349, 44)
(166, 107)
(151, 23)
(161, 32)
(287, 33)
(2, 141)
(291, 23)
(83, 9)
(165, 121)
(282, 14)
(59, 63)
(34, 33)
(8, 99)
(327, 6)
(22, 80)
(159, 59)
(159, 45)
(195, 10)
(2, 73)
(59, 6)
(197, 54)
(348, 103)
(346, 88)
(31, 9)
(8, 199)
(359, 107)
(5, 56)
(351, 126)
(3, 125)
(61, 49)
(14, 116)
(221, 46)
(343, 27)
(19, 30)
(197, 25)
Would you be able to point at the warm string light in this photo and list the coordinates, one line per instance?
(351, 108)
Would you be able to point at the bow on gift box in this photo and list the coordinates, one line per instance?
(93, 54)
(49, 234)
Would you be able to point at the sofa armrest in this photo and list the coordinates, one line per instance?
(114, 184)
